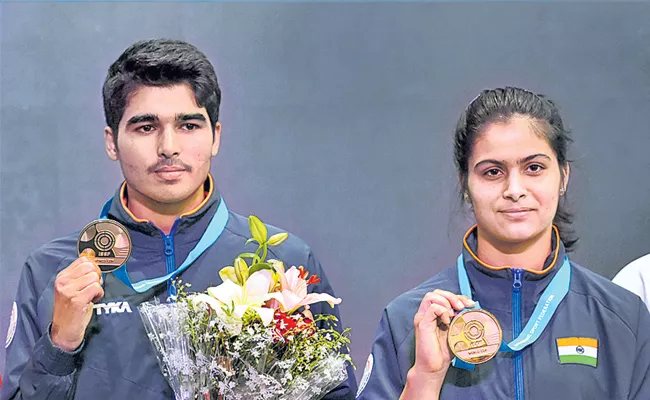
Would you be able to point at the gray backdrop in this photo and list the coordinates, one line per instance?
(337, 124)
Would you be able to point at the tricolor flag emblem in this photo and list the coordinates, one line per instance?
(578, 350)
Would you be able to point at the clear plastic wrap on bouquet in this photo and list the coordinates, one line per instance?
(165, 326)
(253, 385)
(205, 356)
(326, 376)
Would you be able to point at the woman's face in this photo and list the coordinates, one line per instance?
(514, 182)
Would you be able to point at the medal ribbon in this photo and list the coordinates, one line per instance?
(211, 234)
(544, 310)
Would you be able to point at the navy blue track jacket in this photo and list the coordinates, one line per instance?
(594, 308)
(117, 360)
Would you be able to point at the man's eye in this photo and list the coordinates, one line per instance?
(145, 128)
(190, 127)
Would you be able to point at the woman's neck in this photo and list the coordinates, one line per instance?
(530, 254)
(163, 215)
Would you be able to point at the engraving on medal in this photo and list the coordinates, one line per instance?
(475, 336)
(107, 241)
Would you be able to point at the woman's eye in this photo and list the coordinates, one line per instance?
(492, 172)
(535, 168)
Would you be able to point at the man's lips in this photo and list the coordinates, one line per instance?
(170, 173)
(169, 169)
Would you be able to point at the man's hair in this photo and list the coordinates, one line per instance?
(160, 62)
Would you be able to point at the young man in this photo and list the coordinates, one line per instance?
(78, 336)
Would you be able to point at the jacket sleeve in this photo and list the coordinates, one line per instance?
(35, 368)
(382, 379)
(347, 389)
(640, 384)
(631, 278)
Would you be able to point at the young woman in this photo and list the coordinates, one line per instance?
(535, 325)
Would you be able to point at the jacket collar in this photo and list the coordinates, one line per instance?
(119, 211)
(492, 285)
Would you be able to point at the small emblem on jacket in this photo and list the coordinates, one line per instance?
(114, 307)
(13, 321)
(366, 374)
(578, 350)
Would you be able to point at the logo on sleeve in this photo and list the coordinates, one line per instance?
(366, 374)
(13, 321)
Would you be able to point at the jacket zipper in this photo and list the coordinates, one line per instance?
(516, 330)
(170, 258)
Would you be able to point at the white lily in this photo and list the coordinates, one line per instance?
(232, 324)
(202, 298)
(252, 295)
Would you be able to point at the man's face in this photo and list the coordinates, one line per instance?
(164, 144)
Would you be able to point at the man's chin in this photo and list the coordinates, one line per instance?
(169, 197)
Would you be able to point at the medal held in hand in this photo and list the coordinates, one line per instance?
(475, 336)
(107, 241)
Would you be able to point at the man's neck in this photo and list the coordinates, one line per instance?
(530, 255)
(163, 215)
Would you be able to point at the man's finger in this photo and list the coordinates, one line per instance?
(92, 293)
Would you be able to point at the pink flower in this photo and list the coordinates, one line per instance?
(293, 288)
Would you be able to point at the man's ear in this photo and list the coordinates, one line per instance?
(110, 140)
(216, 140)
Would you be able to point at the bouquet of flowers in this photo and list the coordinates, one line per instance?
(252, 337)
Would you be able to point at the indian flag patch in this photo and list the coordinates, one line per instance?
(578, 350)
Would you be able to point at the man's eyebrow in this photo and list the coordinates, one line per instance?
(190, 117)
(136, 119)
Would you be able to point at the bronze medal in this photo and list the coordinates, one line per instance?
(107, 242)
(475, 336)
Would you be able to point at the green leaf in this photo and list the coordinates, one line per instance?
(251, 240)
(260, 266)
(258, 229)
(278, 238)
(241, 270)
(247, 255)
